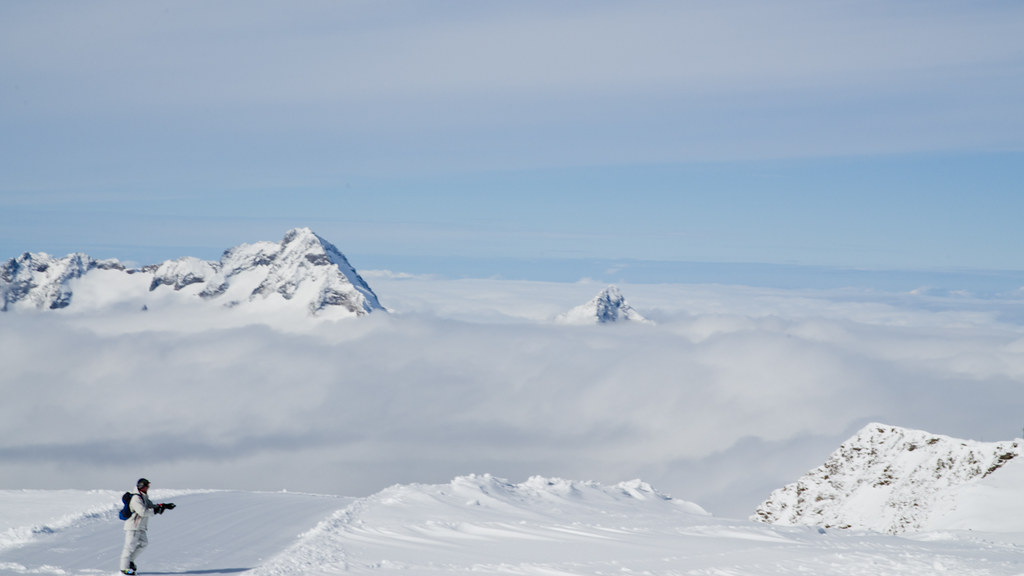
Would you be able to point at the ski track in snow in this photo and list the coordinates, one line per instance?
(208, 533)
(476, 524)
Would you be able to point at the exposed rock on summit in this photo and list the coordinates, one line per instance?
(607, 307)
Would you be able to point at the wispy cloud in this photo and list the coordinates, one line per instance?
(254, 89)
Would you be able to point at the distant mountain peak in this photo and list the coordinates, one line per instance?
(607, 307)
(303, 269)
(303, 256)
(885, 478)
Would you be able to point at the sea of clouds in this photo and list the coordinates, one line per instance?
(732, 392)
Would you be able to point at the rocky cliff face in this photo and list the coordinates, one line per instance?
(303, 270)
(887, 479)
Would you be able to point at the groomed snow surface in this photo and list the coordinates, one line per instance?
(482, 525)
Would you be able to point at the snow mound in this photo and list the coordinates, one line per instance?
(607, 307)
(477, 520)
(887, 479)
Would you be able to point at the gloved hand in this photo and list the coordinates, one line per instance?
(169, 505)
(158, 509)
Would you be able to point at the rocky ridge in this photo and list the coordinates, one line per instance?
(887, 479)
(303, 268)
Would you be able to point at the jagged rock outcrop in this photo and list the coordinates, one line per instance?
(887, 479)
(607, 307)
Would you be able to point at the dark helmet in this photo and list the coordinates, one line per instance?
(142, 483)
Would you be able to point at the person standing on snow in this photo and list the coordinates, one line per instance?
(135, 538)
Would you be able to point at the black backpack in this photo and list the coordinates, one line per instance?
(126, 512)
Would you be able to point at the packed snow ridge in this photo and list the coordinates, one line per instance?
(303, 269)
(887, 479)
(607, 307)
(482, 523)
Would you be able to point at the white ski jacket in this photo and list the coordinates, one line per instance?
(142, 508)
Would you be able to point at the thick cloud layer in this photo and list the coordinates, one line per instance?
(733, 392)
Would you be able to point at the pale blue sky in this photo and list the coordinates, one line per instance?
(879, 135)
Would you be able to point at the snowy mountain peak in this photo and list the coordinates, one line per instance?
(887, 479)
(303, 258)
(607, 307)
(302, 270)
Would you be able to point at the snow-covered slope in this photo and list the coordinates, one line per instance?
(303, 271)
(888, 479)
(474, 524)
(608, 306)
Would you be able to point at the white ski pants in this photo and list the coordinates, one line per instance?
(134, 542)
